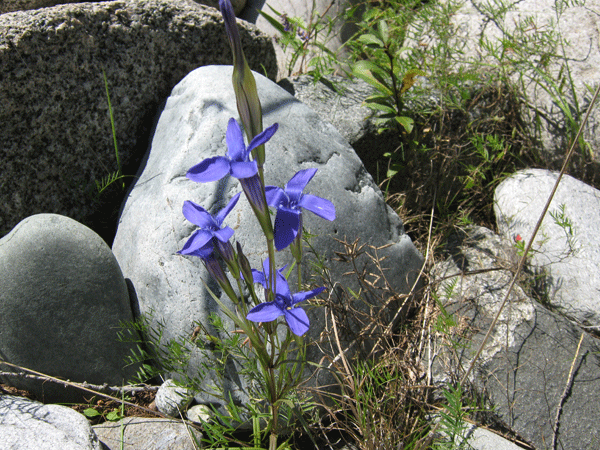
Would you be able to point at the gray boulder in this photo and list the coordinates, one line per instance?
(56, 133)
(62, 298)
(566, 250)
(143, 433)
(191, 128)
(30, 425)
(524, 369)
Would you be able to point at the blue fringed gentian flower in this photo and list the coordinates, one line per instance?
(237, 162)
(284, 304)
(209, 226)
(289, 203)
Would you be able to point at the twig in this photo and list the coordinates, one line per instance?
(79, 386)
(97, 387)
(565, 394)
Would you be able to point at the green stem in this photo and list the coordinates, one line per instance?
(272, 269)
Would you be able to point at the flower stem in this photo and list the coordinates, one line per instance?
(272, 269)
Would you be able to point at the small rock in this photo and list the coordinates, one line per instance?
(171, 399)
(200, 413)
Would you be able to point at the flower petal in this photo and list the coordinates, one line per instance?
(259, 277)
(197, 240)
(220, 217)
(265, 312)
(198, 215)
(275, 196)
(298, 182)
(211, 169)
(301, 296)
(263, 137)
(287, 223)
(223, 234)
(282, 287)
(203, 252)
(297, 320)
(235, 141)
(319, 206)
(243, 169)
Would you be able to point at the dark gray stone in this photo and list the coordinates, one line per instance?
(30, 425)
(56, 132)
(192, 128)
(62, 298)
(524, 367)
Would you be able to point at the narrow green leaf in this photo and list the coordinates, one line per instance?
(274, 22)
(361, 70)
(379, 107)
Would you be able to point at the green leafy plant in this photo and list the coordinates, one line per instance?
(385, 73)
(453, 425)
(113, 177)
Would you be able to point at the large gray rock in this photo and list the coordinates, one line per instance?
(336, 100)
(29, 425)
(24, 5)
(192, 127)
(524, 369)
(62, 298)
(142, 433)
(56, 133)
(566, 258)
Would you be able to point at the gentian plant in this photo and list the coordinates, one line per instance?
(273, 322)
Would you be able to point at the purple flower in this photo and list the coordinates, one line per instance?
(200, 242)
(237, 162)
(289, 201)
(284, 304)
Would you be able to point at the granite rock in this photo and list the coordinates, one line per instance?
(143, 433)
(56, 132)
